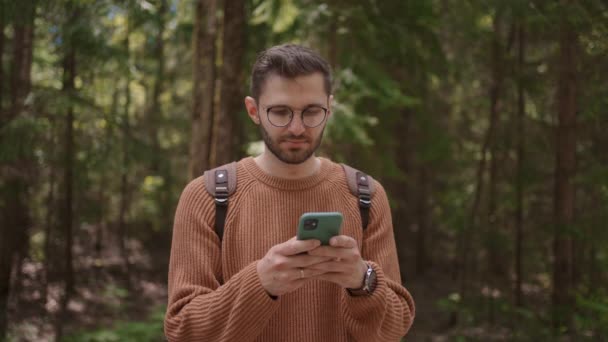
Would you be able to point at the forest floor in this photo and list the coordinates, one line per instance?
(99, 305)
(108, 307)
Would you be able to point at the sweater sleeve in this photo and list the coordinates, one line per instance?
(199, 309)
(388, 313)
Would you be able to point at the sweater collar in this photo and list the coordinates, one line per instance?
(283, 183)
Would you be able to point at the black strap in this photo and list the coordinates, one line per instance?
(365, 198)
(221, 193)
(221, 201)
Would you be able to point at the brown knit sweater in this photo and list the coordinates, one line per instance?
(214, 290)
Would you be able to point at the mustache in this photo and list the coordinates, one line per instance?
(294, 137)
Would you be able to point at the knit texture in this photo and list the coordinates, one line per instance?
(215, 293)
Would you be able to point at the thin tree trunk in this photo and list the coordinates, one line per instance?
(204, 38)
(155, 110)
(465, 235)
(48, 231)
(597, 278)
(69, 76)
(519, 186)
(122, 225)
(594, 272)
(103, 184)
(423, 213)
(68, 210)
(403, 189)
(564, 173)
(491, 221)
(332, 43)
(6, 263)
(2, 37)
(464, 239)
(232, 80)
(124, 179)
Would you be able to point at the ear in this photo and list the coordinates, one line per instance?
(330, 102)
(252, 110)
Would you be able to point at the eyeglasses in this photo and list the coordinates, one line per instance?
(281, 116)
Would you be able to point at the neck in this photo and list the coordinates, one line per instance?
(270, 164)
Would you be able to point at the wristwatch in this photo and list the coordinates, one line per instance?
(369, 283)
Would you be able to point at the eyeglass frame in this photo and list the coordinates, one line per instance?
(293, 114)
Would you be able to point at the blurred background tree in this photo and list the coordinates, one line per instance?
(485, 120)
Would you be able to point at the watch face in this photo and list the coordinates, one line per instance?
(371, 281)
(369, 284)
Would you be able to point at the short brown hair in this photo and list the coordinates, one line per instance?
(291, 61)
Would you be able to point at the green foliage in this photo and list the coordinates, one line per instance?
(20, 139)
(413, 81)
(149, 330)
(592, 317)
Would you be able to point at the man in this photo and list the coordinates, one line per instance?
(259, 283)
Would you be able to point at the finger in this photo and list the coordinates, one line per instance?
(299, 273)
(336, 278)
(312, 273)
(289, 276)
(330, 266)
(343, 241)
(293, 246)
(295, 284)
(306, 260)
(333, 252)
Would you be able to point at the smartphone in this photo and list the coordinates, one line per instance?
(319, 225)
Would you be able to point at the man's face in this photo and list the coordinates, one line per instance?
(294, 143)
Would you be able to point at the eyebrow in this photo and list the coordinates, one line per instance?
(306, 106)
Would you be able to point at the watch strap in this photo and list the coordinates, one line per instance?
(369, 283)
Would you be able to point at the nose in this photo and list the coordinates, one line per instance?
(296, 126)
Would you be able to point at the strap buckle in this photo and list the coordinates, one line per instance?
(365, 196)
(365, 201)
(221, 196)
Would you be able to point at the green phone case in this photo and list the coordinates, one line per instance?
(320, 225)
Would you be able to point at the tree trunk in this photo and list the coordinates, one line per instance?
(519, 186)
(2, 25)
(14, 214)
(48, 231)
(232, 80)
(124, 177)
(21, 80)
(564, 174)
(492, 235)
(332, 43)
(464, 238)
(22, 56)
(403, 189)
(68, 209)
(155, 110)
(423, 216)
(15, 218)
(204, 37)
(69, 76)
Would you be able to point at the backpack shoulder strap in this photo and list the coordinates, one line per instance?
(221, 183)
(361, 185)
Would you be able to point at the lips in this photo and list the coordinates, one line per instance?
(295, 142)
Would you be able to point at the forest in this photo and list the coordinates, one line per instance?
(485, 120)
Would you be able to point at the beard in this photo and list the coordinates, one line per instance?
(291, 155)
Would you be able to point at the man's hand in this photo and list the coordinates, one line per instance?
(345, 267)
(285, 267)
